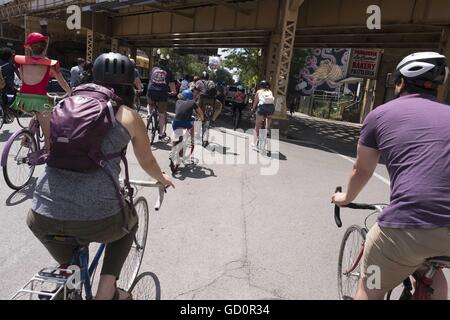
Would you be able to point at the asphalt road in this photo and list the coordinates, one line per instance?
(236, 226)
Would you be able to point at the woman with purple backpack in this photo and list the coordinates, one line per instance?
(83, 204)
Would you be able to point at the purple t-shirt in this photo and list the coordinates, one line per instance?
(413, 135)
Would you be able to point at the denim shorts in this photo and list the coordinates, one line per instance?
(182, 124)
(266, 110)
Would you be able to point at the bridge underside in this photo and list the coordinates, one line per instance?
(276, 26)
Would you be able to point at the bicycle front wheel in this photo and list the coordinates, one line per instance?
(23, 119)
(17, 170)
(349, 265)
(152, 126)
(133, 262)
(146, 287)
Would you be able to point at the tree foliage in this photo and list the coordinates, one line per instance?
(183, 64)
(247, 61)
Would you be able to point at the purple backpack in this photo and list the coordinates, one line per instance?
(77, 128)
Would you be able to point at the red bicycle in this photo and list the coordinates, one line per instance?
(351, 252)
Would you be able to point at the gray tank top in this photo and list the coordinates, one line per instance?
(74, 196)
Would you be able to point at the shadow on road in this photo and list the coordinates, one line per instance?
(194, 171)
(316, 133)
(22, 195)
(4, 136)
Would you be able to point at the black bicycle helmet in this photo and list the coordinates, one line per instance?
(113, 69)
(264, 84)
(423, 69)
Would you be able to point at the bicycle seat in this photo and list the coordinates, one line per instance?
(442, 261)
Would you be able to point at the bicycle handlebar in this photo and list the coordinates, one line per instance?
(337, 211)
(152, 184)
(57, 97)
(358, 206)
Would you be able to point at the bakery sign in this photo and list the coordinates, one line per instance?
(364, 63)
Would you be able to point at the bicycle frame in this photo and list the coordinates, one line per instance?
(81, 259)
(34, 129)
(423, 289)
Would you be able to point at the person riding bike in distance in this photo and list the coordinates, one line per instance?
(239, 100)
(85, 204)
(35, 70)
(205, 93)
(264, 106)
(412, 134)
(184, 110)
(137, 81)
(161, 81)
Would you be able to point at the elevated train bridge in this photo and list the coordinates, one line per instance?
(275, 26)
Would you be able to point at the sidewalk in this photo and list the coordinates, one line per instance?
(340, 136)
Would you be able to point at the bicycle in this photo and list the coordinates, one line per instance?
(75, 282)
(137, 100)
(263, 140)
(153, 122)
(206, 125)
(237, 115)
(181, 153)
(349, 267)
(23, 152)
(8, 115)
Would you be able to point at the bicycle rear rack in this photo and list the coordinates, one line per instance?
(48, 284)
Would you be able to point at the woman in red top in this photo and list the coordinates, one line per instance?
(35, 70)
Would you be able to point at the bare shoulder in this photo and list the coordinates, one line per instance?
(128, 118)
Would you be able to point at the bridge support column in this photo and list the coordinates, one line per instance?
(443, 92)
(280, 54)
(89, 45)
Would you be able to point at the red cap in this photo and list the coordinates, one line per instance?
(33, 38)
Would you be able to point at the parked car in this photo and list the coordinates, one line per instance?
(53, 85)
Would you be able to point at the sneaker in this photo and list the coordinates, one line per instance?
(162, 137)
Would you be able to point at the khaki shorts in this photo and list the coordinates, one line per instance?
(162, 105)
(400, 252)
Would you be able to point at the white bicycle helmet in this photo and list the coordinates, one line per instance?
(424, 69)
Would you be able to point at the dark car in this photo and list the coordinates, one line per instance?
(53, 85)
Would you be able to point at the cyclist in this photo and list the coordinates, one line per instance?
(8, 71)
(205, 94)
(87, 76)
(83, 204)
(264, 106)
(412, 135)
(184, 110)
(161, 82)
(76, 72)
(35, 70)
(239, 101)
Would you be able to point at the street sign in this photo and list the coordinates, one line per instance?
(364, 63)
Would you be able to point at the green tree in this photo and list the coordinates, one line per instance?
(182, 64)
(223, 75)
(247, 61)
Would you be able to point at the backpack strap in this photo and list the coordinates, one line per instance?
(122, 155)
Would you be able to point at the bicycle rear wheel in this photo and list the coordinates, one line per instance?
(17, 170)
(237, 118)
(2, 117)
(146, 287)
(133, 262)
(152, 126)
(349, 264)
